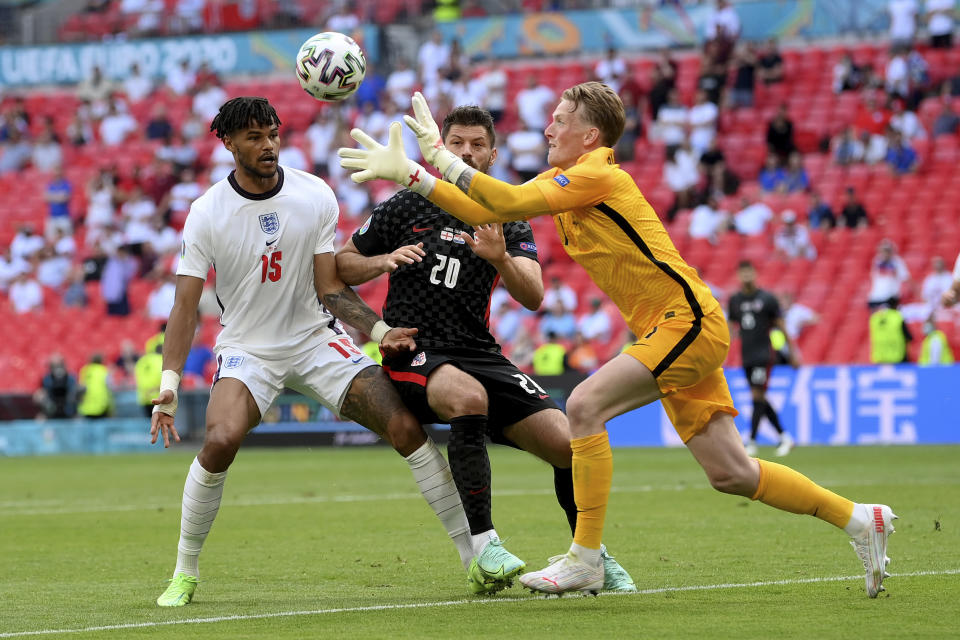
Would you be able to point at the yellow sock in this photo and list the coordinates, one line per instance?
(790, 490)
(592, 474)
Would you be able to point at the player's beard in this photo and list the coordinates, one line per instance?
(472, 163)
(253, 171)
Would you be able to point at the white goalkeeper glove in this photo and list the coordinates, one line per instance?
(431, 144)
(388, 162)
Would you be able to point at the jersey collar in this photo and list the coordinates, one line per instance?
(256, 196)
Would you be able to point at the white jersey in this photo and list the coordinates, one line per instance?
(261, 247)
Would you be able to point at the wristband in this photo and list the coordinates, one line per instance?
(379, 330)
(450, 165)
(169, 381)
(418, 179)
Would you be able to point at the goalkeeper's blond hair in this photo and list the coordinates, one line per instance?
(599, 106)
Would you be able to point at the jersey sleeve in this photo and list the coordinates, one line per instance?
(371, 239)
(733, 313)
(518, 237)
(585, 184)
(329, 216)
(196, 250)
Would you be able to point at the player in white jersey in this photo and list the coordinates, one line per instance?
(268, 232)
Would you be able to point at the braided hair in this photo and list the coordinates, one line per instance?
(240, 113)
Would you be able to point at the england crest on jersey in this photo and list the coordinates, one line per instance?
(270, 223)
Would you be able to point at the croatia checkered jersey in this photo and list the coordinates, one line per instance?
(261, 247)
(447, 295)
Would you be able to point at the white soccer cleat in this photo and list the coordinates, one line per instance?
(565, 573)
(786, 444)
(751, 448)
(871, 546)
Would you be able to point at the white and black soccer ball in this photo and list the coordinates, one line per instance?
(330, 66)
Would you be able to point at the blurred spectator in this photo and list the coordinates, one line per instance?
(780, 134)
(341, 19)
(372, 120)
(96, 399)
(558, 321)
(771, 176)
(709, 221)
(903, 20)
(721, 181)
(947, 122)
(710, 157)
(75, 293)
(853, 215)
(222, 163)
(10, 267)
(101, 205)
(136, 213)
(937, 282)
(918, 71)
(156, 179)
(527, 152)
(596, 323)
(771, 64)
(373, 87)
(583, 355)
(79, 131)
(723, 29)
(126, 362)
(506, 321)
(180, 78)
(118, 272)
(935, 349)
(534, 104)
(663, 79)
(160, 301)
(164, 239)
(26, 243)
(15, 151)
(63, 243)
(147, 373)
(291, 155)
(46, 151)
(901, 158)
(611, 70)
(116, 126)
(875, 146)
(149, 15)
(795, 177)
(53, 268)
(631, 93)
(550, 358)
(871, 117)
(57, 395)
(401, 83)
(177, 152)
(888, 273)
(188, 16)
(193, 127)
(96, 89)
(889, 336)
(744, 80)
(559, 292)
(320, 136)
(199, 356)
(182, 195)
(821, 216)
(752, 218)
(905, 121)
(136, 85)
(94, 263)
(681, 176)
(672, 121)
(897, 77)
(703, 123)
(713, 73)
(796, 316)
(25, 294)
(494, 83)
(57, 195)
(940, 14)
(792, 240)
(847, 75)
(208, 99)
(434, 54)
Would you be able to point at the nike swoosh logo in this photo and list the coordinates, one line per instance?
(477, 491)
(417, 229)
(357, 360)
(270, 242)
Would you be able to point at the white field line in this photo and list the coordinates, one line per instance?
(450, 603)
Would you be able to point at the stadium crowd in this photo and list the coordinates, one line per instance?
(116, 176)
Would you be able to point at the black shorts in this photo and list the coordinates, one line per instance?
(511, 394)
(758, 375)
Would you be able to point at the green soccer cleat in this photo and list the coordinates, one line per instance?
(180, 591)
(494, 569)
(615, 577)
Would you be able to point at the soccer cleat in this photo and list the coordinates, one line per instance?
(751, 448)
(180, 591)
(565, 573)
(871, 546)
(615, 577)
(494, 569)
(786, 444)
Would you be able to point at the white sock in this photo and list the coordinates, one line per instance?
(481, 540)
(586, 554)
(859, 520)
(201, 501)
(433, 477)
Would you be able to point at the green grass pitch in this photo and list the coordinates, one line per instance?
(337, 542)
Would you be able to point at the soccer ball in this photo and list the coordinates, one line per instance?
(330, 66)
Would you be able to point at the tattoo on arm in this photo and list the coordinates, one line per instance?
(349, 307)
(463, 182)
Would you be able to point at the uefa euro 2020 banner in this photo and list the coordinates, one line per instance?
(830, 405)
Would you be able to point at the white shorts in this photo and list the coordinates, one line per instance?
(323, 372)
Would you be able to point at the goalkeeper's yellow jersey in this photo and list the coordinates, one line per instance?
(609, 228)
